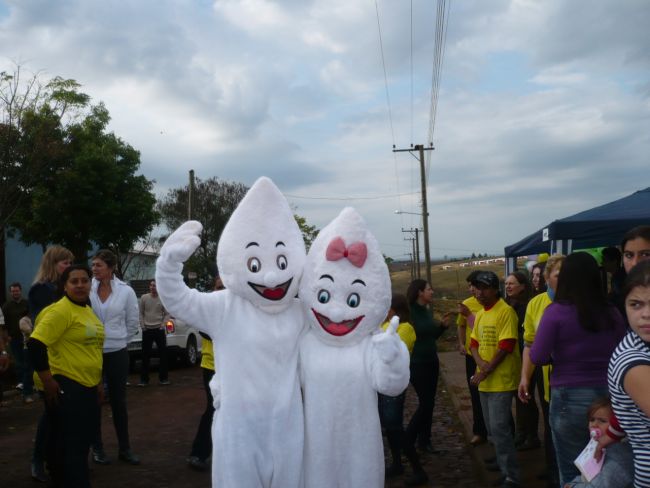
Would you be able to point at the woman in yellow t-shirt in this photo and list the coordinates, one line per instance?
(66, 350)
(538, 377)
(391, 409)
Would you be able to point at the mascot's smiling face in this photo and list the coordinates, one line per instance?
(345, 289)
(261, 252)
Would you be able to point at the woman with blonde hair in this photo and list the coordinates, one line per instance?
(43, 292)
(44, 288)
(539, 376)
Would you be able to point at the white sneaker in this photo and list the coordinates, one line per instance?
(19, 386)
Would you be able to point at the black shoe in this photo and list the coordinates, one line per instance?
(100, 457)
(38, 472)
(529, 444)
(394, 470)
(508, 483)
(417, 478)
(500, 480)
(165, 382)
(128, 457)
(195, 463)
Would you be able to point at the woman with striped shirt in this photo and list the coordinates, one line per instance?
(629, 372)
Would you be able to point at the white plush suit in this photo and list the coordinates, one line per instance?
(255, 325)
(345, 358)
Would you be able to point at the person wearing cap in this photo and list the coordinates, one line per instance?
(494, 348)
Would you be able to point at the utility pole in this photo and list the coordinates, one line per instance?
(416, 250)
(425, 212)
(190, 194)
(413, 261)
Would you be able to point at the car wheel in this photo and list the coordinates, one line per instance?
(191, 356)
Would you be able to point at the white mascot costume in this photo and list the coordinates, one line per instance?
(345, 358)
(255, 325)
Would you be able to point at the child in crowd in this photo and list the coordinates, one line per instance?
(617, 468)
(629, 368)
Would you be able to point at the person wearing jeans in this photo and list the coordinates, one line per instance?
(494, 348)
(578, 333)
(116, 305)
(152, 321)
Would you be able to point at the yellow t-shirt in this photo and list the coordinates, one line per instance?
(474, 307)
(207, 354)
(490, 327)
(74, 337)
(534, 312)
(406, 332)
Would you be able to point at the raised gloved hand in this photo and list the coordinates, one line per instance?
(182, 243)
(387, 344)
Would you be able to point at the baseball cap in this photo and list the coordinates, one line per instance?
(487, 278)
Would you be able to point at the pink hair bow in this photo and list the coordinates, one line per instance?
(357, 252)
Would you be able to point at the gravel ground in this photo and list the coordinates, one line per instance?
(163, 421)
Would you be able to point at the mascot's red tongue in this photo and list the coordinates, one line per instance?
(338, 329)
(273, 293)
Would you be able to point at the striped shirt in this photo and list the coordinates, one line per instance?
(632, 351)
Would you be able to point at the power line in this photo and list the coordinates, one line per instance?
(390, 114)
(378, 197)
(442, 21)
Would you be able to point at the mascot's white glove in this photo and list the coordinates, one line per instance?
(182, 243)
(387, 343)
(216, 392)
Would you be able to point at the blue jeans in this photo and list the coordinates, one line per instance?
(569, 425)
(116, 372)
(23, 365)
(497, 411)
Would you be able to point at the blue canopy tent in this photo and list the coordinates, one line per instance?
(600, 226)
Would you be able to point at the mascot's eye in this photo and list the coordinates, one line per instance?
(254, 265)
(354, 300)
(323, 296)
(282, 262)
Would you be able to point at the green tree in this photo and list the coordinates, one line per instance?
(31, 133)
(213, 202)
(309, 232)
(94, 197)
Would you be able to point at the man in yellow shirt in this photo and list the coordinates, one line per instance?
(467, 311)
(494, 348)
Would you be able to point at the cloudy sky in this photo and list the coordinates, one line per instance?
(543, 108)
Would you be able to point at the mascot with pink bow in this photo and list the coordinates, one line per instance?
(345, 358)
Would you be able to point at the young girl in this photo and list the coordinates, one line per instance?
(617, 467)
(629, 372)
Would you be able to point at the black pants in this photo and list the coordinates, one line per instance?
(202, 445)
(149, 336)
(71, 425)
(424, 378)
(391, 415)
(549, 449)
(116, 372)
(478, 425)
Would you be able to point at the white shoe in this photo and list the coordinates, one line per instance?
(19, 386)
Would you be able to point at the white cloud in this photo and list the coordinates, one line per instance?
(544, 107)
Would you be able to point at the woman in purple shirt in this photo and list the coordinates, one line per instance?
(577, 334)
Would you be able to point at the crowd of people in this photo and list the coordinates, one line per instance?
(561, 341)
(576, 338)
